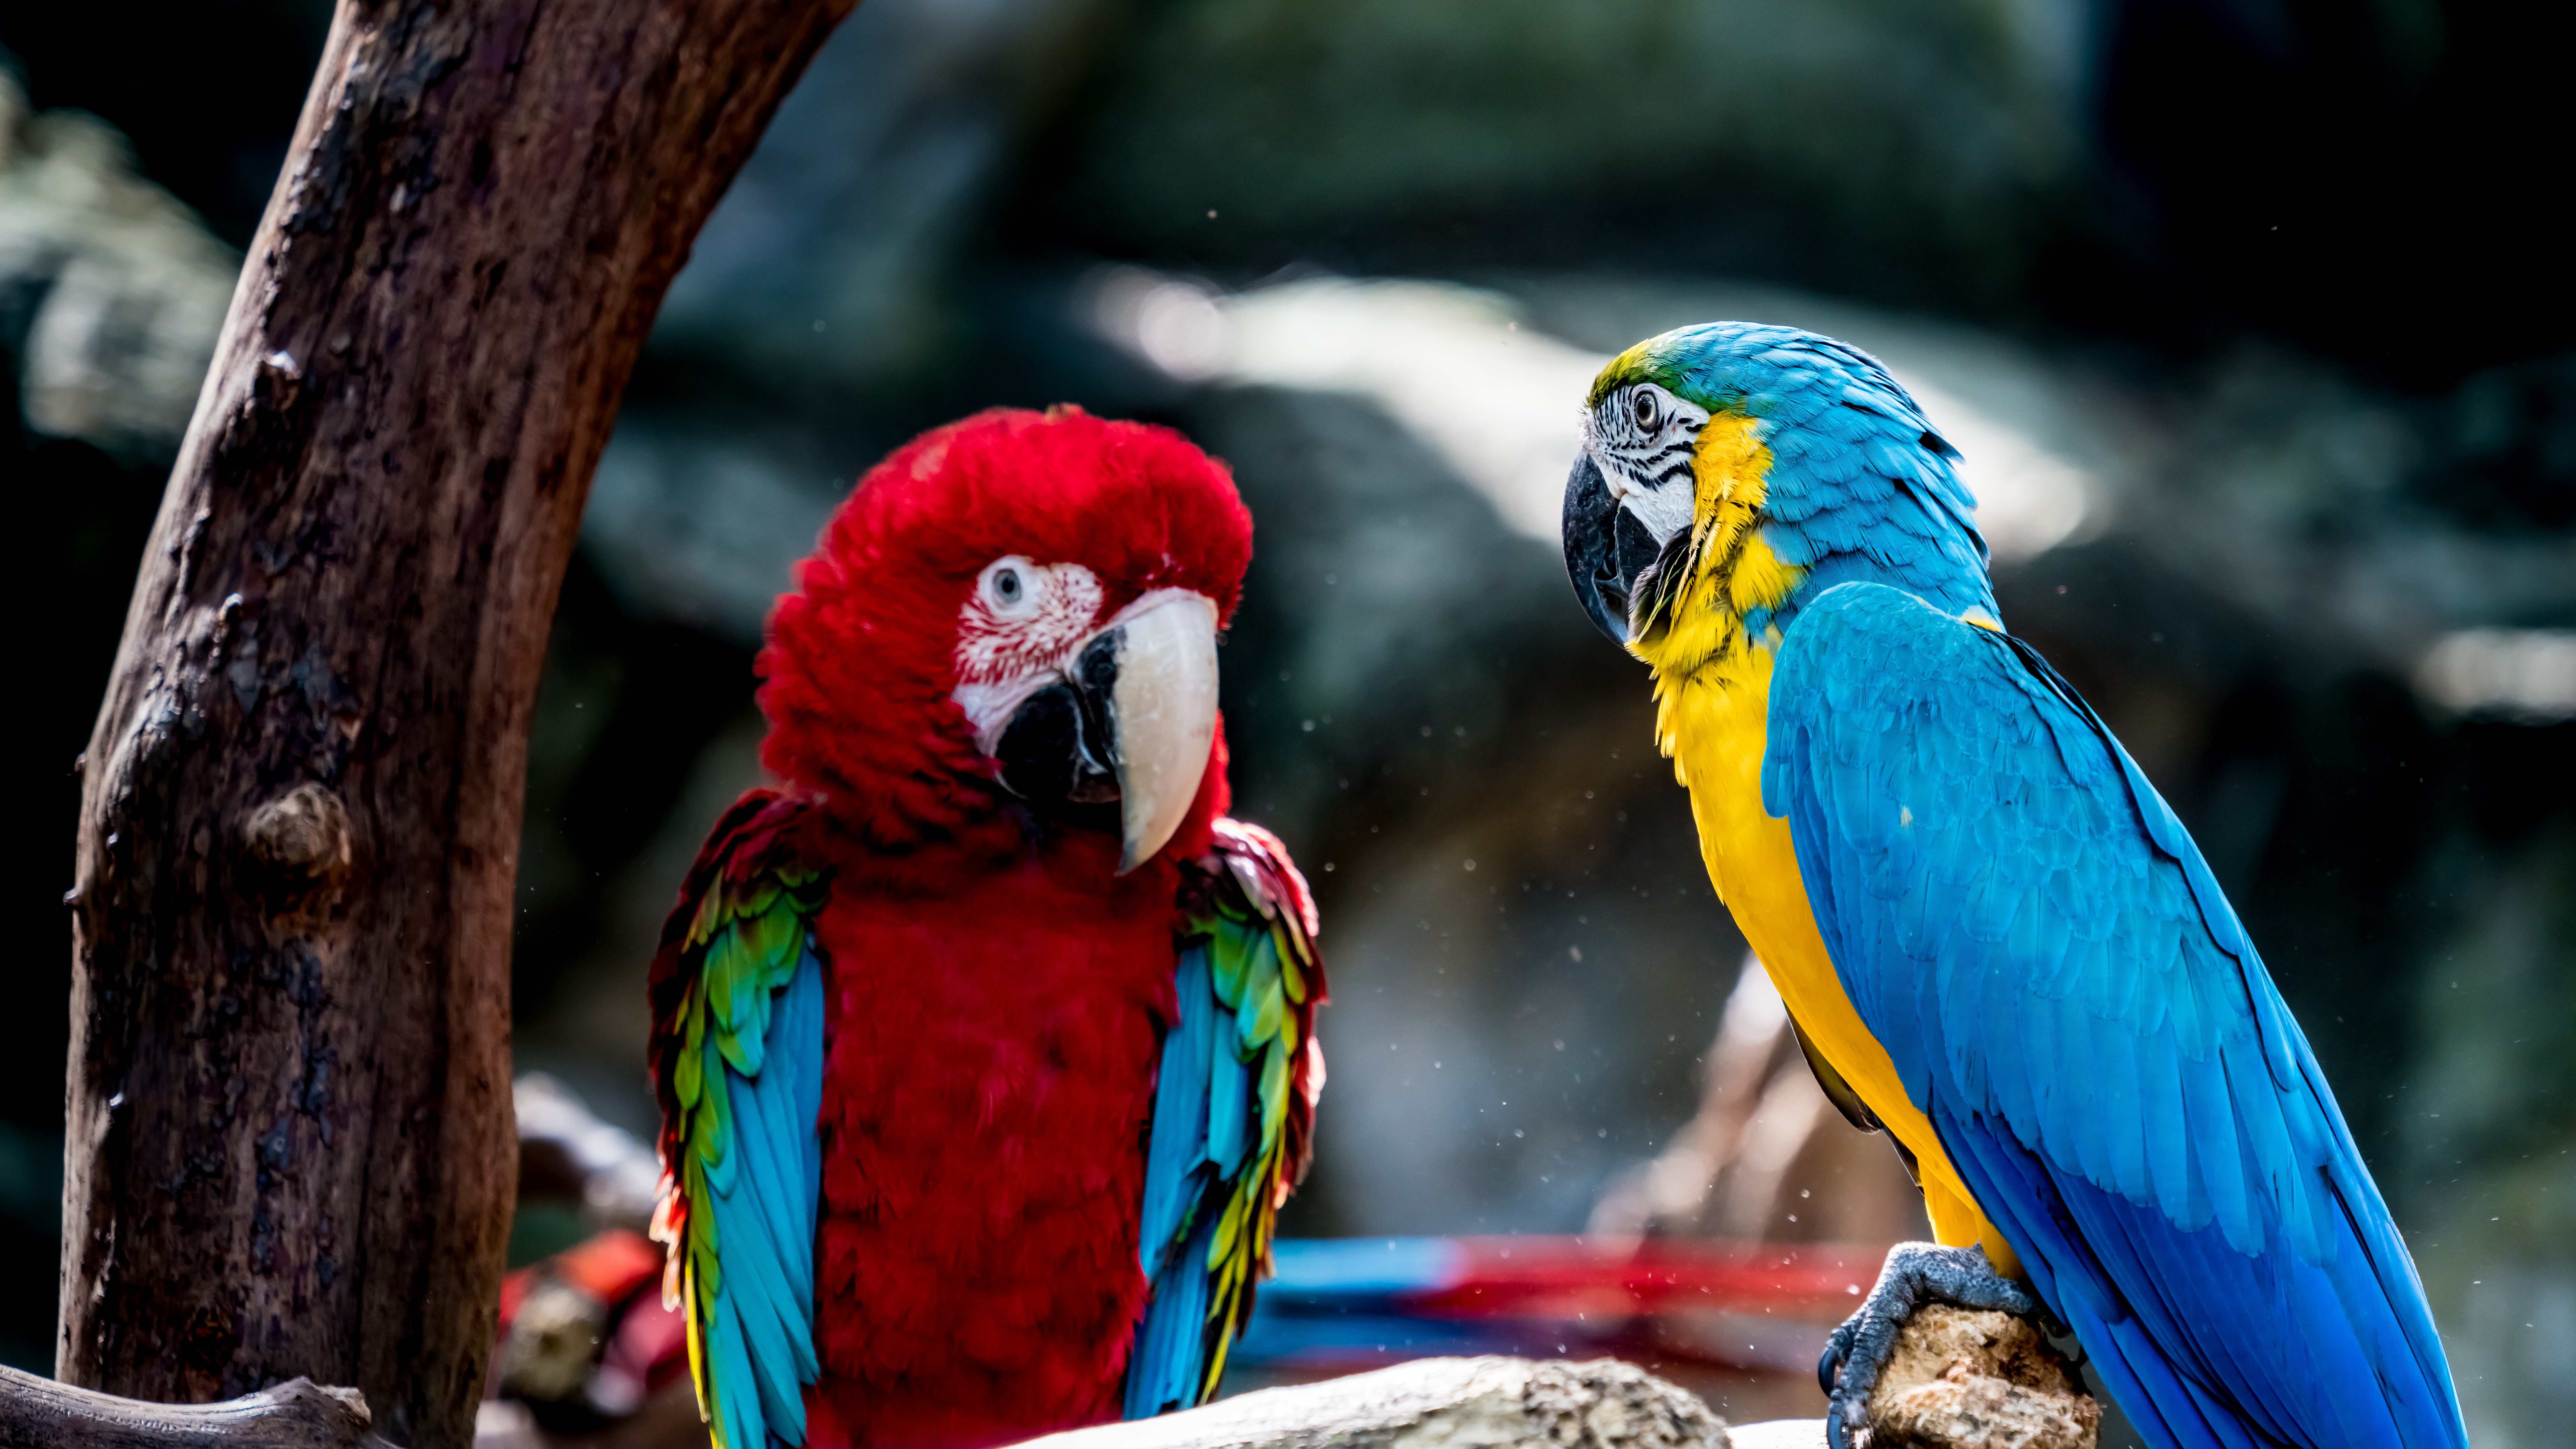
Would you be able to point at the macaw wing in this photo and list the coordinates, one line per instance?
(1234, 1110)
(737, 1056)
(2026, 927)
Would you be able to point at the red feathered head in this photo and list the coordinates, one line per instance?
(1018, 604)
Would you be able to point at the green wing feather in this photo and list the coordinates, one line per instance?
(734, 946)
(1234, 1110)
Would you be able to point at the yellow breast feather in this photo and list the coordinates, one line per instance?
(1712, 702)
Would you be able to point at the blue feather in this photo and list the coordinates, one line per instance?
(763, 1138)
(2071, 1001)
(1198, 1141)
(1171, 1348)
(1229, 1104)
(730, 1366)
(761, 1354)
(1177, 1145)
(1216, 1162)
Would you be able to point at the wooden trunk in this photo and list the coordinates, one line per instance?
(290, 1148)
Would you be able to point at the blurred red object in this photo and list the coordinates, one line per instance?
(583, 1336)
(1563, 1277)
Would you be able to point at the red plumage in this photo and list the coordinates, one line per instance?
(861, 666)
(996, 994)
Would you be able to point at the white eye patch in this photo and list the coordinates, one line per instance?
(1020, 622)
(1642, 438)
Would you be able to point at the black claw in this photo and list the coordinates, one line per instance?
(1916, 1273)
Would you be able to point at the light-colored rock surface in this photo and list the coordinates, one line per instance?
(1778, 1434)
(1970, 1379)
(1438, 1403)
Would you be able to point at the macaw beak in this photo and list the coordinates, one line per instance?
(1132, 722)
(1165, 713)
(1606, 548)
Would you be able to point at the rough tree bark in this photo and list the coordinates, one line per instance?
(290, 1146)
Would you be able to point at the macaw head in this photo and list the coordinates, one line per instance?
(1021, 605)
(1770, 461)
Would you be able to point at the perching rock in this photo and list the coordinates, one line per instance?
(1778, 1434)
(1437, 1403)
(1969, 1379)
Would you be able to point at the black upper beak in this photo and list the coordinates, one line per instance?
(1606, 548)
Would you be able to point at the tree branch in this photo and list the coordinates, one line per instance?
(289, 1147)
(297, 1414)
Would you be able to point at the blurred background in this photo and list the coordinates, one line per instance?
(2252, 316)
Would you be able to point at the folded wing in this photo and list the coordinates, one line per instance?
(1233, 1110)
(2027, 928)
(737, 1050)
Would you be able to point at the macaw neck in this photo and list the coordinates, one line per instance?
(1765, 541)
(1731, 587)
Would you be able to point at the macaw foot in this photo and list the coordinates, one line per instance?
(1916, 1274)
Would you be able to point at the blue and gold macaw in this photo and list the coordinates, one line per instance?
(1994, 937)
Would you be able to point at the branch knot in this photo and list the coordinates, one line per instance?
(299, 849)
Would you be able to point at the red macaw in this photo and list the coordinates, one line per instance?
(985, 1044)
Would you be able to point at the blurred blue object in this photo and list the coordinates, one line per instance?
(1336, 1300)
(1314, 1270)
(1340, 1304)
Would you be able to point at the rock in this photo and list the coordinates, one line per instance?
(1971, 1379)
(127, 287)
(1438, 1403)
(1778, 1434)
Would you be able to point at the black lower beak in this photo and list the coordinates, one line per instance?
(1060, 750)
(1606, 548)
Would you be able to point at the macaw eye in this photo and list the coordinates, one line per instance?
(1009, 586)
(1648, 412)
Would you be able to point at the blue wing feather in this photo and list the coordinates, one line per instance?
(730, 1362)
(762, 1354)
(1170, 1357)
(1228, 1109)
(1233, 1109)
(1177, 1148)
(2026, 926)
(1200, 1114)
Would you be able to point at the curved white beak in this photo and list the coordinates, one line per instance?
(1165, 706)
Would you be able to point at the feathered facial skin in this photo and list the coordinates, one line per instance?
(952, 665)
